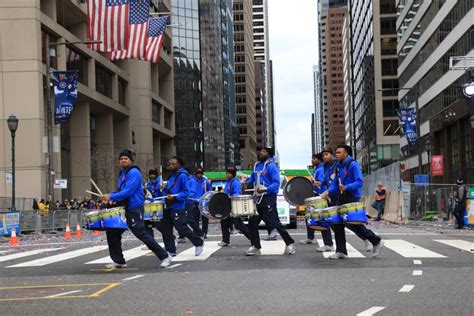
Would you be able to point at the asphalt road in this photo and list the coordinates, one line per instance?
(69, 278)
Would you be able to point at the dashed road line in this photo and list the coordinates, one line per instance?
(371, 311)
(174, 266)
(417, 272)
(133, 277)
(417, 262)
(406, 288)
(64, 294)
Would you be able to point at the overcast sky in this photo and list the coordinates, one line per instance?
(294, 51)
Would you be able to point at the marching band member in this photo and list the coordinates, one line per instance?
(174, 214)
(347, 188)
(318, 170)
(265, 179)
(130, 193)
(232, 188)
(200, 186)
(153, 186)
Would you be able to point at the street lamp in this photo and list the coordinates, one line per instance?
(12, 122)
(468, 89)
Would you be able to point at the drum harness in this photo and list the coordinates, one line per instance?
(259, 196)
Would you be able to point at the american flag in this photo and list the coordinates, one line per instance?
(136, 42)
(108, 22)
(156, 35)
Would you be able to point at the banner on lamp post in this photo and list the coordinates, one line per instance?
(437, 165)
(408, 121)
(65, 94)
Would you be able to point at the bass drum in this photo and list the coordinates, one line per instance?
(215, 205)
(297, 190)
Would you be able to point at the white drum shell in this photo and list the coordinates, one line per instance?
(243, 206)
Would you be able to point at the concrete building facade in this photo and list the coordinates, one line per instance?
(318, 124)
(245, 81)
(123, 104)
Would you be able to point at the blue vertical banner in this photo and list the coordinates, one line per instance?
(65, 94)
(408, 121)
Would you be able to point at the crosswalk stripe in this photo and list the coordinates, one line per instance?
(128, 255)
(460, 244)
(408, 250)
(351, 251)
(272, 248)
(4, 251)
(61, 257)
(188, 255)
(27, 254)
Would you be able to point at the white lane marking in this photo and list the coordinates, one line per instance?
(27, 253)
(351, 251)
(188, 255)
(61, 257)
(272, 248)
(133, 277)
(417, 262)
(348, 231)
(460, 244)
(417, 272)
(64, 294)
(174, 266)
(4, 251)
(408, 250)
(128, 255)
(371, 311)
(406, 288)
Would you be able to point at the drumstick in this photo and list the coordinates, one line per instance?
(164, 197)
(93, 193)
(96, 187)
(193, 199)
(250, 190)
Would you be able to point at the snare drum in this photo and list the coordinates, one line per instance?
(316, 221)
(153, 211)
(243, 205)
(113, 218)
(331, 215)
(92, 220)
(353, 213)
(215, 205)
(315, 203)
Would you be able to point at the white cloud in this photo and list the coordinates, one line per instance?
(294, 51)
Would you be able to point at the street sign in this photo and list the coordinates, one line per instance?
(422, 179)
(60, 184)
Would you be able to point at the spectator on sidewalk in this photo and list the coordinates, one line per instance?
(379, 203)
(460, 207)
(43, 208)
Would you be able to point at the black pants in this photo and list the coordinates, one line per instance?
(267, 212)
(176, 218)
(459, 213)
(359, 230)
(226, 225)
(326, 234)
(137, 226)
(193, 216)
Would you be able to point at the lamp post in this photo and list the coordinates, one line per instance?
(12, 126)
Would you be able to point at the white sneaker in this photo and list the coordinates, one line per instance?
(181, 241)
(290, 249)
(166, 262)
(273, 233)
(307, 241)
(252, 251)
(326, 249)
(199, 250)
(114, 265)
(223, 244)
(377, 248)
(144, 248)
(368, 246)
(337, 255)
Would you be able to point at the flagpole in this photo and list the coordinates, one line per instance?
(49, 114)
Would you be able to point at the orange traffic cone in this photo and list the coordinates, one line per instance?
(96, 232)
(78, 231)
(13, 239)
(67, 235)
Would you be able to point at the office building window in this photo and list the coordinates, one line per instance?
(156, 112)
(103, 81)
(168, 119)
(122, 91)
(76, 61)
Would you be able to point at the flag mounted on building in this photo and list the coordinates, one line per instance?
(116, 23)
(408, 121)
(65, 94)
(155, 34)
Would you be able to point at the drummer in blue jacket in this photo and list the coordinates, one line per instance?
(267, 174)
(347, 188)
(232, 187)
(174, 214)
(316, 177)
(200, 185)
(130, 194)
(153, 186)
